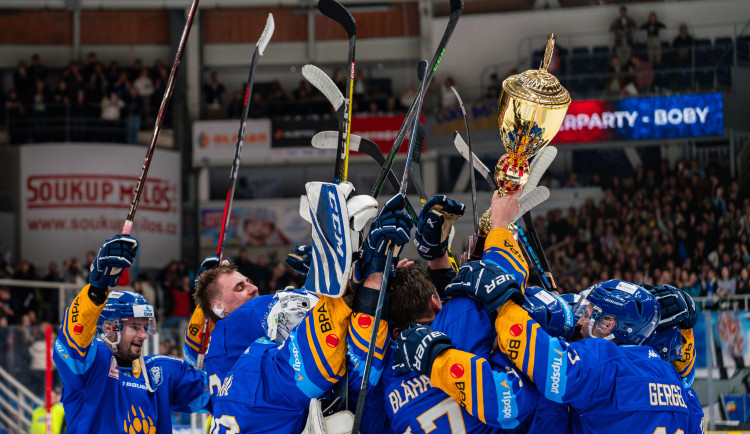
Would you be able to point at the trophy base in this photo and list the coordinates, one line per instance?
(474, 248)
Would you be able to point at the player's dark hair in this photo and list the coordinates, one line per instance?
(410, 291)
(206, 289)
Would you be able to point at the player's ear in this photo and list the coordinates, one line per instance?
(396, 333)
(435, 303)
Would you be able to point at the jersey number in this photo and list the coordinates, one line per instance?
(227, 422)
(662, 430)
(447, 407)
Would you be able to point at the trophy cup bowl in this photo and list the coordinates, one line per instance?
(531, 109)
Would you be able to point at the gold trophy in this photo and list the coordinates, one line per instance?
(531, 110)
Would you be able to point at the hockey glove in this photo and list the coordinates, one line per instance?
(486, 282)
(116, 254)
(417, 348)
(300, 258)
(209, 263)
(434, 226)
(392, 225)
(677, 307)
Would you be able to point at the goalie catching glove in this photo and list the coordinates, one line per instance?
(336, 226)
(116, 254)
(435, 226)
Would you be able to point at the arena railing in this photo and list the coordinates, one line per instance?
(15, 399)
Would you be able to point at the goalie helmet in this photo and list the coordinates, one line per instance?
(551, 311)
(634, 310)
(286, 311)
(123, 306)
(667, 343)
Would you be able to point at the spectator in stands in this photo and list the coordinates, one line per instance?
(642, 74)
(74, 78)
(447, 97)
(623, 27)
(145, 287)
(360, 86)
(89, 69)
(17, 122)
(9, 306)
(236, 105)
(72, 271)
(683, 47)
(22, 82)
(39, 416)
(244, 265)
(727, 285)
(113, 72)
(743, 283)
(37, 71)
(493, 89)
(144, 87)
(79, 114)
(339, 79)
(277, 92)
(59, 111)
(37, 353)
(261, 275)
(111, 107)
(653, 41)
(39, 107)
(213, 91)
(133, 115)
(96, 89)
(178, 306)
(616, 77)
(302, 91)
(53, 273)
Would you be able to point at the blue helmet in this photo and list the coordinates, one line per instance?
(634, 310)
(286, 311)
(551, 311)
(122, 306)
(667, 343)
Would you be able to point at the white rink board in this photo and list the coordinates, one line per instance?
(74, 196)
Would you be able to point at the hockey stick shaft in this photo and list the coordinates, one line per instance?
(384, 285)
(259, 47)
(456, 9)
(471, 163)
(127, 227)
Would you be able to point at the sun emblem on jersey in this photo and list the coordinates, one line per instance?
(364, 321)
(137, 422)
(516, 330)
(332, 341)
(457, 371)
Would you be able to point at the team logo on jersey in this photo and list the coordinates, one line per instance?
(516, 330)
(137, 422)
(457, 370)
(156, 374)
(364, 321)
(78, 329)
(332, 340)
(113, 371)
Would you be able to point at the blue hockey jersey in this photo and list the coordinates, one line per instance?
(101, 397)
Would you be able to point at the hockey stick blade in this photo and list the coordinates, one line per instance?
(540, 164)
(324, 84)
(265, 37)
(328, 140)
(337, 12)
(421, 69)
(463, 149)
(531, 199)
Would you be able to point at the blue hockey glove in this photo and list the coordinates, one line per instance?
(676, 306)
(486, 282)
(116, 254)
(392, 225)
(300, 258)
(433, 228)
(417, 348)
(208, 263)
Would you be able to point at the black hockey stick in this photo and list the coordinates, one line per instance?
(456, 9)
(471, 163)
(384, 285)
(337, 12)
(259, 48)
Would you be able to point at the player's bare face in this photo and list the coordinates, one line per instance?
(132, 337)
(234, 291)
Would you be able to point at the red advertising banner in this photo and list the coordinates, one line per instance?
(382, 130)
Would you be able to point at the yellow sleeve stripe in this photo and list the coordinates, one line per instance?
(71, 343)
(314, 350)
(80, 321)
(530, 350)
(498, 238)
(518, 267)
(480, 390)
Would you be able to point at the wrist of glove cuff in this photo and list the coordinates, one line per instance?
(366, 301)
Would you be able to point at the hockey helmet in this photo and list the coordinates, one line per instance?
(120, 307)
(634, 310)
(666, 342)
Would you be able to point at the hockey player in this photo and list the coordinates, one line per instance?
(108, 386)
(270, 386)
(412, 403)
(609, 383)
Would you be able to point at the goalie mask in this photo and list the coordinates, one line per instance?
(618, 310)
(121, 307)
(286, 311)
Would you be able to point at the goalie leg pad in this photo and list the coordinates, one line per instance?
(331, 239)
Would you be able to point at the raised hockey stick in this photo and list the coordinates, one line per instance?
(384, 285)
(337, 12)
(265, 37)
(471, 163)
(159, 120)
(456, 9)
(416, 171)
